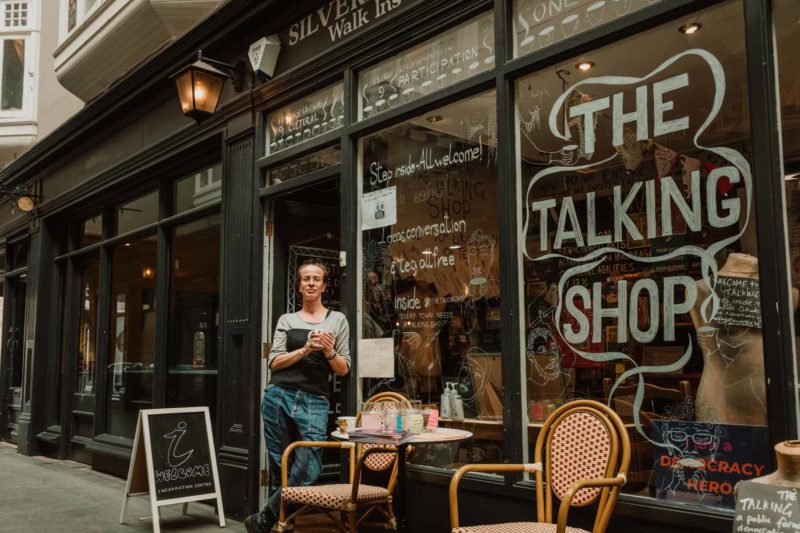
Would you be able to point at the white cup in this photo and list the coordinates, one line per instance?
(346, 424)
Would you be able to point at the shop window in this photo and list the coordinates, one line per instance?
(787, 37)
(319, 160)
(87, 327)
(129, 379)
(91, 231)
(431, 271)
(541, 23)
(137, 213)
(317, 114)
(200, 189)
(639, 253)
(194, 314)
(453, 56)
(13, 75)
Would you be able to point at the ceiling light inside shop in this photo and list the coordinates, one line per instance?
(434, 118)
(585, 66)
(690, 28)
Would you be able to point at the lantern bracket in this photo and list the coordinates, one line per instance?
(235, 72)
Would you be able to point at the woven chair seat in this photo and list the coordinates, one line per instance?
(516, 527)
(333, 496)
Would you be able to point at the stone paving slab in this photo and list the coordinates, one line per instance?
(40, 494)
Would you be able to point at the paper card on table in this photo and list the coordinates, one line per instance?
(376, 358)
(433, 419)
(379, 208)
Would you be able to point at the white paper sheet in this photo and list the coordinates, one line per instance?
(379, 208)
(376, 358)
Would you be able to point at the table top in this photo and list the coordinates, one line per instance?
(429, 437)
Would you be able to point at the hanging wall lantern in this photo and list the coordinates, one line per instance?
(200, 85)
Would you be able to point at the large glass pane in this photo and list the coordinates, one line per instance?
(306, 118)
(137, 213)
(87, 327)
(541, 23)
(431, 269)
(787, 37)
(453, 56)
(304, 165)
(639, 253)
(91, 231)
(194, 314)
(199, 189)
(11, 92)
(129, 382)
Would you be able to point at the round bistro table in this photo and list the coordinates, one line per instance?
(440, 436)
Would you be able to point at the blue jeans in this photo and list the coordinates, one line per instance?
(291, 415)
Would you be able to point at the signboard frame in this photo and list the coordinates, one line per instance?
(142, 464)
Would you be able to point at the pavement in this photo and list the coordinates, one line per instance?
(40, 494)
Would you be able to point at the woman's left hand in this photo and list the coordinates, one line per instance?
(328, 342)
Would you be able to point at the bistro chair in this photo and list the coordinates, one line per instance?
(582, 455)
(344, 502)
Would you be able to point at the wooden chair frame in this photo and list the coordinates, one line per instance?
(610, 484)
(352, 507)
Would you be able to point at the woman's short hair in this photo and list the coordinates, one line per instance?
(317, 263)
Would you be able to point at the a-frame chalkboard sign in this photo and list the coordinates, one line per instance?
(173, 460)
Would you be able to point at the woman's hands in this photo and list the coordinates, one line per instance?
(324, 341)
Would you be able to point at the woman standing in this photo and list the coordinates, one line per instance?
(307, 347)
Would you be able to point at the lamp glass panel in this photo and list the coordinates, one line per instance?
(184, 86)
(207, 88)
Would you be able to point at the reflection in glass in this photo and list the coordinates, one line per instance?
(538, 24)
(194, 314)
(92, 231)
(87, 327)
(305, 165)
(137, 213)
(129, 380)
(307, 118)
(197, 190)
(431, 268)
(12, 88)
(639, 253)
(453, 56)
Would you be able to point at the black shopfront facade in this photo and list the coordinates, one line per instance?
(531, 200)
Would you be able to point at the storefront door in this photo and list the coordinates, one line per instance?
(13, 357)
(303, 225)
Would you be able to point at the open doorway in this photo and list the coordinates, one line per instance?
(303, 224)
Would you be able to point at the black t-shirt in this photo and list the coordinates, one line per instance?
(311, 373)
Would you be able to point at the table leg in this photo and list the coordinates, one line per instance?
(402, 525)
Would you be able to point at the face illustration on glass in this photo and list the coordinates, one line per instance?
(695, 440)
(542, 351)
(480, 257)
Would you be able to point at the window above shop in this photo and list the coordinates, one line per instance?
(89, 57)
(453, 56)
(539, 24)
(14, 14)
(319, 160)
(307, 118)
(17, 66)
